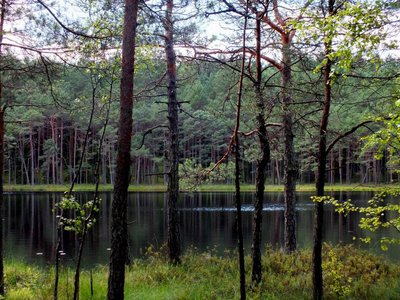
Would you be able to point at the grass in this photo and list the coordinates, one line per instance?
(201, 188)
(349, 273)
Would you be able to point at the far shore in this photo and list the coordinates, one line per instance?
(200, 188)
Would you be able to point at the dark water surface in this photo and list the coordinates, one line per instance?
(207, 222)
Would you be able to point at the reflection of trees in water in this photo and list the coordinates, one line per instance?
(30, 223)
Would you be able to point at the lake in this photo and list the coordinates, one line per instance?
(207, 223)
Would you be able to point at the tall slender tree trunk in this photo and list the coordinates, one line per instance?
(138, 170)
(236, 145)
(278, 172)
(374, 169)
(53, 155)
(111, 163)
(9, 170)
(61, 165)
(2, 133)
(71, 154)
(38, 152)
(332, 168)
(174, 250)
(348, 164)
(32, 152)
(74, 154)
(262, 163)
(290, 170)
(321, 170)
(340, 158)
(24, 168)
(119, 230)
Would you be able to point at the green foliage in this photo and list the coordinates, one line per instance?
(340, 282)
(343, 207)
(354, 31)
(82, 213)
(382, 212)
(387, 138)
(192, 175)
(224, 173)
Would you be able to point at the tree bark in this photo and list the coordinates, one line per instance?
(2, 133)
(24, 168)
(236, 145)
(348, 164)
(119, 230)
(32, 152)
(261, 164)
(290, 170)
(332, 168)
(74, 154)
(278, 172)
(61, 166)
(321, 169)
(174, 249)
(53, 156)
(340, 158)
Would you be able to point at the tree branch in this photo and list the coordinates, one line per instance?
(352, 130)
(70, 30)
(149, 131)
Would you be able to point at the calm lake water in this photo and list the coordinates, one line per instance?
(207, 222)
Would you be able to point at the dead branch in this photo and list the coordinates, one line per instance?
(149, 131)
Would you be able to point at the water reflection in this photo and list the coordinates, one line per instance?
(208, 221)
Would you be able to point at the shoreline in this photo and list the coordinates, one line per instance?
(201, 188)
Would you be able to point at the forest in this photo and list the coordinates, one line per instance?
(189, 94)
(43, 142)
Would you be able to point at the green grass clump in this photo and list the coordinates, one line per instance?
(349, 273)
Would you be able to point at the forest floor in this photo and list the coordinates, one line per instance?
(349, 273)
(200, 188)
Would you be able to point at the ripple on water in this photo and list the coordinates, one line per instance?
(250, 208)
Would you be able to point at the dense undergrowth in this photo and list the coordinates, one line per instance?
(349, 273)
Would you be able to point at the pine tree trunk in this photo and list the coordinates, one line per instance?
(138, 170)
(38, 152)
(32, 152)
(53, 156)
(24, 168)
(290, 170)
(278, 172)
(320, 176)
(61, 167)
(9, 170)
(71, 154)
(174, 250)
(119, 230)
(236, 145)
(261, 164)
(2, 134)
(348, 164)
(374, 169)
(111, 164)
(75, 154)
(340, 165)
